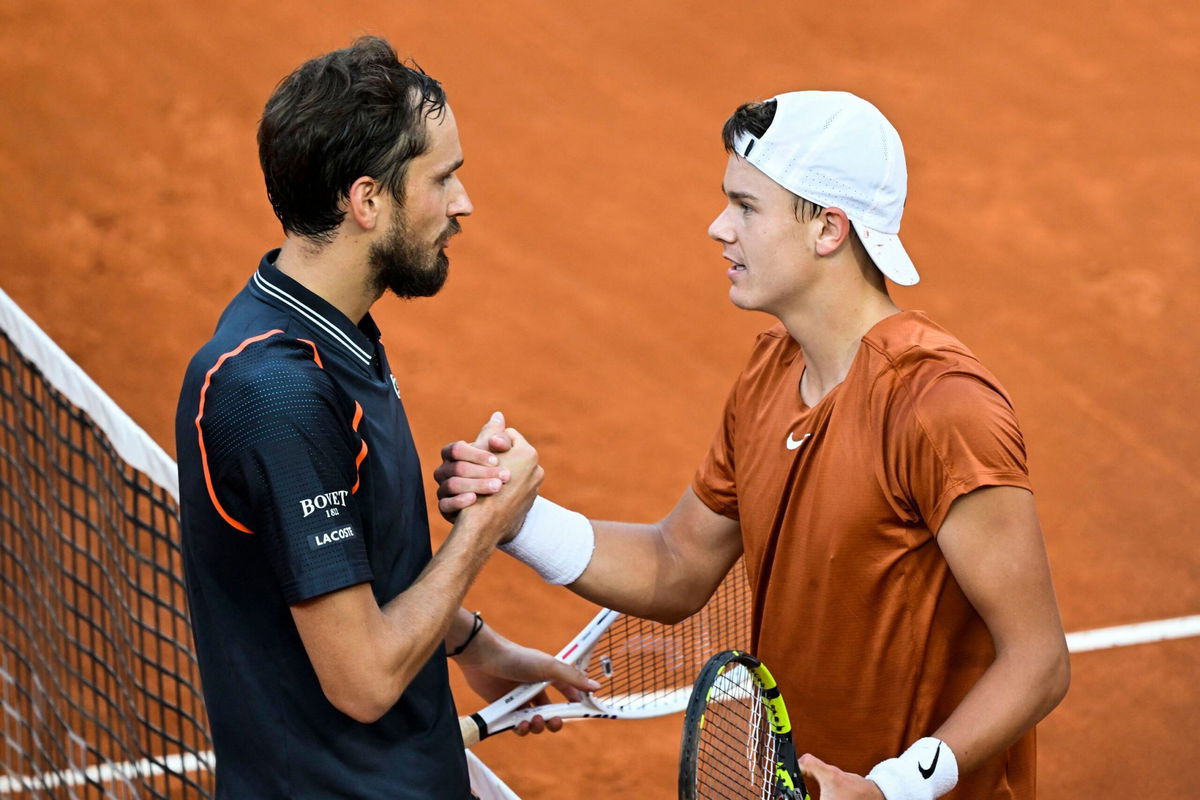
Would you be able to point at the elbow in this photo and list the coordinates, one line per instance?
(667, 608)
(681, 606)
(670, 616)
(360, 709)
(1041, 674)
(368, 686)
(360, 703)
(1059, 679)
(1053, 679)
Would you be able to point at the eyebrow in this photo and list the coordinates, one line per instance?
(453, 167)
(737, 195)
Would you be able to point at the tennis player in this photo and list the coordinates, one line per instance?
(871, 470)
(322, 619)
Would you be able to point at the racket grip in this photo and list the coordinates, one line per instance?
(469, 729)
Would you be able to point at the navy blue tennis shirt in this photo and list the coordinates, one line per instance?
(298, 476)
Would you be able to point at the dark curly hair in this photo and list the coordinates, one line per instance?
(353, 112)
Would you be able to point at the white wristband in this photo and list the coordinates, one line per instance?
(555, 541)
(925, 771)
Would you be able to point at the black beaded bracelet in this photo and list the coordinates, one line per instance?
(476, 627)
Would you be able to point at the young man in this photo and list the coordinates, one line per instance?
(321, 617)
(871, 471)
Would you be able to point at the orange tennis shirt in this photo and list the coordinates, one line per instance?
(856, 611)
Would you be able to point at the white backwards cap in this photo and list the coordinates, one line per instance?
(835, 149)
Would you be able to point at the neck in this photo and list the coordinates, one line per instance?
(829, 331)
(337, 273)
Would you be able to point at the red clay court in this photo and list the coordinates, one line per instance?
(1054, 161)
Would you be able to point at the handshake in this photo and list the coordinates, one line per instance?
(492, 481)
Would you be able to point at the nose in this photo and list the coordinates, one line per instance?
(720, 229)
(460, 205)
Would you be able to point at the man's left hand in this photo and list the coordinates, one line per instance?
(836, 784)
(494, 666)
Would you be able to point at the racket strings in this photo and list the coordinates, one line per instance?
(642, 665)
(735, 749)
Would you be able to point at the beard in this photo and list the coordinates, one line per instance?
(405, 267)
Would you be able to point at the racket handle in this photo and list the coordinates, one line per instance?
(469, 729)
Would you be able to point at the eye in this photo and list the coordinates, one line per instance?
(745, 208)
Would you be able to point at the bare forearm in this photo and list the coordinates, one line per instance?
(421, 617)
(633, 570)
(663, 571)
(1012, 696)
(366, 656)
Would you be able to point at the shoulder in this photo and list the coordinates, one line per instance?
(911, 339)
(270, 375)
(260, 361)
(925, 370)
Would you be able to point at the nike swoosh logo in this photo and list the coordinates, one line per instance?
(925, 773)
(792, 444)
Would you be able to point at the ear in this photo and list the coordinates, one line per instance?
(835, 230)
(366, 203)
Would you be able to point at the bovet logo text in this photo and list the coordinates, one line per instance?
(327, 502)
(322, 539)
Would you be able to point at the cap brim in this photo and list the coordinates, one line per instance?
(889, 255)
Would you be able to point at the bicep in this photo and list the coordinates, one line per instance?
(993, 543)
(339, 631)
(706, 543)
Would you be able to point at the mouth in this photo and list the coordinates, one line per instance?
(452, 230)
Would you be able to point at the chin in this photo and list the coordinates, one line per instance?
(740, 300)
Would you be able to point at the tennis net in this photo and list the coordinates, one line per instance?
(99, 690)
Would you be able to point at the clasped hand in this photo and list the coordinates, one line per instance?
(471, 470)
(496, 477)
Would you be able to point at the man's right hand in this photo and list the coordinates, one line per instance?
(501, 514)
(472, 470)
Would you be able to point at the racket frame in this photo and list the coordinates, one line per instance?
(789, 784)
(507, 712)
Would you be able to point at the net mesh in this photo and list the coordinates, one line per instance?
(646, 667)
(99, 689)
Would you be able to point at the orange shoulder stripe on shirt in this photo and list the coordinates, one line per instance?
(362, 453)
(358, 415)
(316, 355)
(212, 494)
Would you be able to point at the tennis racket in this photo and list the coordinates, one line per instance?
(644, 668)
(737, 739)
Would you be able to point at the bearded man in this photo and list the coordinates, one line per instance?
(322, 619)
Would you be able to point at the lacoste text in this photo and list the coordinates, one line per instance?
(321, 539)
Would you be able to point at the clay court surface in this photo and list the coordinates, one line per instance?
(1054, 159)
